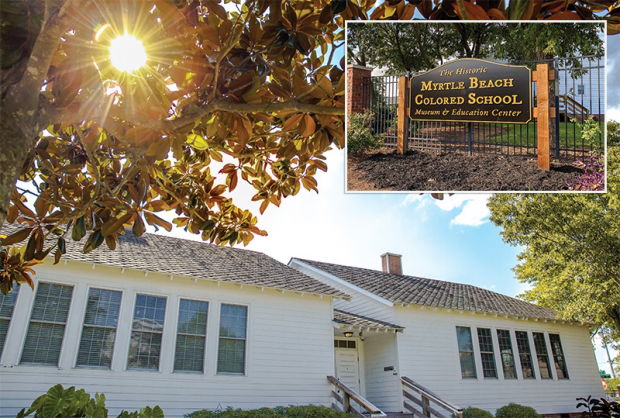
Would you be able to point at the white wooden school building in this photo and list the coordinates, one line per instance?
(187, 326)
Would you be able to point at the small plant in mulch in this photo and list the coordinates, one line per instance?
(360, 138)
(593, 177)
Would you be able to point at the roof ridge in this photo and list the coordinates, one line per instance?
(409, 276)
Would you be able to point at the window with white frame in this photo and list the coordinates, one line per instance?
(558, 356)
(525, 355)
(47, 324)
(542, 355)
(191, 335)
(146, 332)
(506, 354)
(233, 330)
(7, 304)
(466, 352)
(487, 354)
(99, 330)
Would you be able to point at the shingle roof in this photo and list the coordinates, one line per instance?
(436, 293)
(195, 259)
(348, 318)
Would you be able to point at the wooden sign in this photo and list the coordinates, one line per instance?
(472, 90)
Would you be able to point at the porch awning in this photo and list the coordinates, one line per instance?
(359, 321)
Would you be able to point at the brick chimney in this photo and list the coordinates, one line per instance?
(390, 263)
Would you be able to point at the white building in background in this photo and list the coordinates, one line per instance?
(189, 326)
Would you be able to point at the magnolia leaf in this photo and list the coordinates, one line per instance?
(197, 142)
(16, 237)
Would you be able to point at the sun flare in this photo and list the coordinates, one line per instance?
(127, 53)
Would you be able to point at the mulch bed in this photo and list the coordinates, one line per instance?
(448, 171)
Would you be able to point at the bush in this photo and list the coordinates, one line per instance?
(59, 402)
(307, 411)
(476, 413)
(593, 177)
(613, 133)
(359, 133)
(513, 410)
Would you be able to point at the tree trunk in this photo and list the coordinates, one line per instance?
(16, 137)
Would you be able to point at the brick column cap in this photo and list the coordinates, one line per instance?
(360, 67)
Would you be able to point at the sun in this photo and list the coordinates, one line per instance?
(127, 53)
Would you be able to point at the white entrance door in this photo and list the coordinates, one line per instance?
(347, 363)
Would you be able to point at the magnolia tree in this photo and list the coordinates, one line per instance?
(113, 111)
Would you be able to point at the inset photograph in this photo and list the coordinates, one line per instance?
(460, 106)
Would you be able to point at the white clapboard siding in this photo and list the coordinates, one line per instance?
(429, 355)
(361, 302)
(288, 357)
(383, 387)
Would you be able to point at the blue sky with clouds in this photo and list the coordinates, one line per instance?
(450, 239)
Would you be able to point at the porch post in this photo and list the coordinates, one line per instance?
(402, 115)
(544, 111)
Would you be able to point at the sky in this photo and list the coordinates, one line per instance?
(450, 239)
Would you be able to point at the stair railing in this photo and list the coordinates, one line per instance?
(420, 401)
(342, 396)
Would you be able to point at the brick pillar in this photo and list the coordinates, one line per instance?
(358, 89)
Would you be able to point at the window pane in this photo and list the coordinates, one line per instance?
(52, 303)
(487, 355)
(558, 356)
(231, 352)
(505, 350)
(43, 343)
(149, 313)
(189, 354)
(44, 339)
(7, 303)
(233, 321)
(231, 356)
(525, 355)
(191, 332)
(542, 355)
(102, 307)
(466, 352)
(96, 347)
(148, 325)
(99, 332)
(193, 317)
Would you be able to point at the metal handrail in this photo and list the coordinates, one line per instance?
(350, 394)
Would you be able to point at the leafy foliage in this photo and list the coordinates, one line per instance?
(613, 133)
(502, 10)
(411, 48)
(59, 402)
(307, 411)
(599, 407)
(570, 247)
(513, 410)
(476, 413)
(360, 137)
(247, 93)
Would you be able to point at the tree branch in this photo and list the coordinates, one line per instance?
(58, 115)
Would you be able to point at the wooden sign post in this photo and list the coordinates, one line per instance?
(402, 117)
(544, 112)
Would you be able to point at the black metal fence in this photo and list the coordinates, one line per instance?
(579, 122)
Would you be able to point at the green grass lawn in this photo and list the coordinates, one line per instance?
(513, 134)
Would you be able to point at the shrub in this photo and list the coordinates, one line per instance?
(593, 177)
(359, 133)
(476, 413)
(513, 410)
(599, 407)
(307, 411)
(59, 402)
(613, 133)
